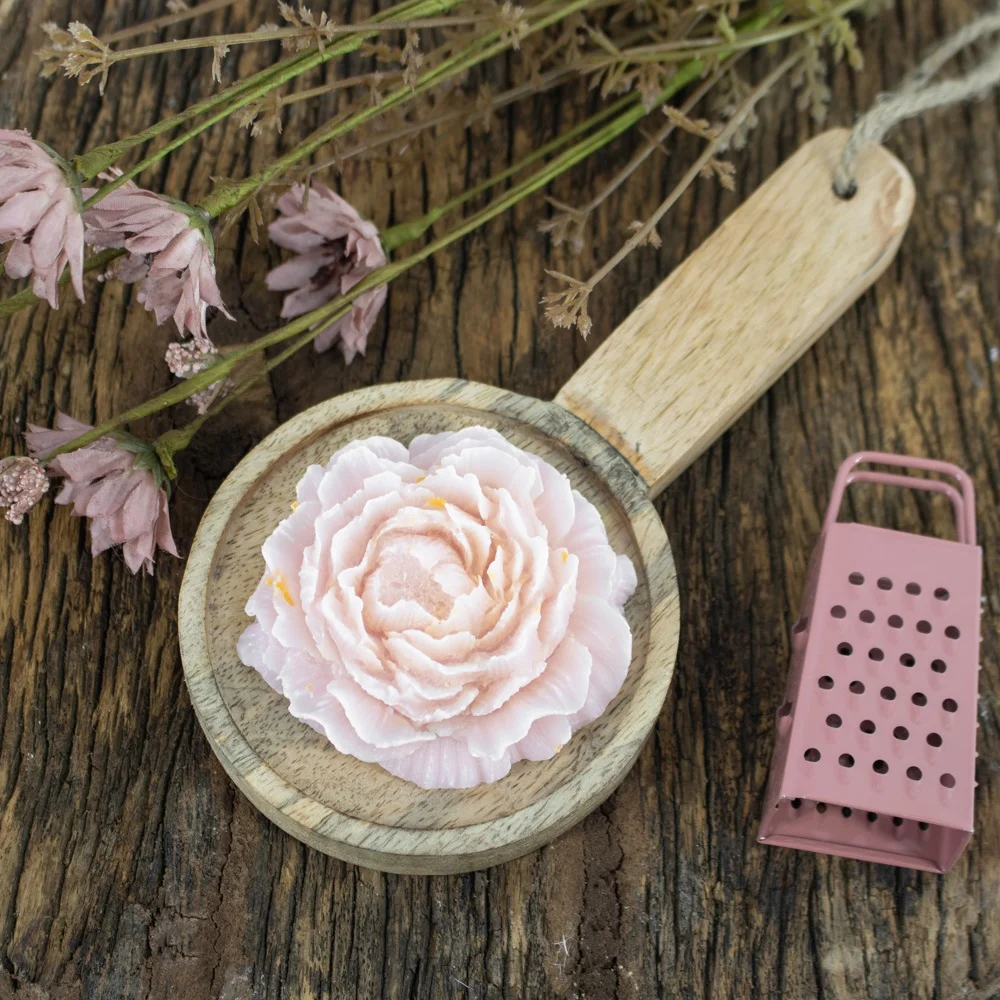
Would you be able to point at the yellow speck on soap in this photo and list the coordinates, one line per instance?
(280, 586)
(558, 748)
(436, 502)
(309, 687)
(421, 479)
(565, 555)
(294, 505)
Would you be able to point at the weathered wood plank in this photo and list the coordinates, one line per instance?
(130, 867)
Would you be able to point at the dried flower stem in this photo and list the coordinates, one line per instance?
(223, 199)
(330, 31)
(90, 164)
(312, 58)
(655, 141)
(306, 327)
(711, 148)
(406, 232)
(168, 20)
(679, 51)
(480, 50)
(465, 117)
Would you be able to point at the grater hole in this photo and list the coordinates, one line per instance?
(785, 710)
(821, 807)
(923, 825)
(867, 726)
(934, 739)
(867, 616)
(812, 755)
(949, 705)
(948, 780)
(901, 733)
(826, 682)
(872, 817)
(857, 579)
(834, 721)
(913, 588)
(856, 687)
(845, 760)
(884, 583)
(838, 611)
(845, 649)
(924, 627)
(941, 594)
(914, 773)
(800, 626)
(897, 820)
(952, 632)
(919, 699)
(888, 693)
(876, 654)
(880, 767)
(895, 621)
(846, 812)
(939, 666)
(796, 803)
(907, 659)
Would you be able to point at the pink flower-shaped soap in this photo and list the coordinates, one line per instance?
(443, 610)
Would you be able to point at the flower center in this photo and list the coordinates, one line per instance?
(404, 578)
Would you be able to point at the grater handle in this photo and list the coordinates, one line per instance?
(964, 502)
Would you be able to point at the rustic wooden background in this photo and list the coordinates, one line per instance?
(129, 865)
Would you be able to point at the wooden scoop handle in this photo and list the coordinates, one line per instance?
(742, 308)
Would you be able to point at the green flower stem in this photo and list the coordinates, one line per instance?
(674, 52)
(88, 165)
(26, 297)
(486, 47)
(303, 330)
(406, 232)
(223, 199)
(173, 441)
(312, 58)
(307, 327)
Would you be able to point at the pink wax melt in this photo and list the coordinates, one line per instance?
(443, 610)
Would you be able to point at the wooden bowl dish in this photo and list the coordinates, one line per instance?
(358, 811)
(678, 372)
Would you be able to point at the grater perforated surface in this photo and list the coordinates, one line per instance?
(876, 739)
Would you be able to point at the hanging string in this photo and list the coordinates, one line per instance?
(917, 94)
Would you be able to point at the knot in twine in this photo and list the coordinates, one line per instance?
(917, 94)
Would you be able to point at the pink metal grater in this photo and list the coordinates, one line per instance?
(876, 741)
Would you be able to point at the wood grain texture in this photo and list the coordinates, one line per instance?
(734, 316)
(131, 867)
(358, 811)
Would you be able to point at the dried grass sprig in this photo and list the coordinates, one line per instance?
(179, 13)
(80, 54)
(567, 307)
(568, 224)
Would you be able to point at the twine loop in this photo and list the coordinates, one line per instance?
(918, 94)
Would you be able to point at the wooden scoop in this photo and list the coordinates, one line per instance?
(663, 386)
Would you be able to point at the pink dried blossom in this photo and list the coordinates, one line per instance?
(167, 251)
(41, 214)
(186, 359)
(22, 484)
(104, 481)
(443, 610)
(336, 248)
